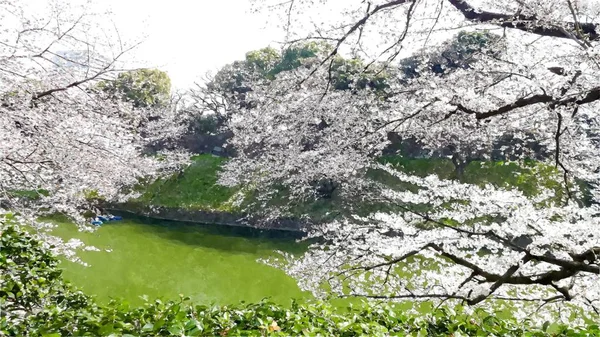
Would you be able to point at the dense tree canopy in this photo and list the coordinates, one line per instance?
(142, 87)
(231, 83)
(228, 88)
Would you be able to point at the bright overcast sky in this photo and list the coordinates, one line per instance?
(187, 38)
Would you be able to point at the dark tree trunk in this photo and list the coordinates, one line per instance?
(460, 164)
(325, 188)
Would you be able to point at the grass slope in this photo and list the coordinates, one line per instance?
(196, 189)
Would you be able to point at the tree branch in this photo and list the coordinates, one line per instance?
(99, 73)
(528, 23)
(590, 96)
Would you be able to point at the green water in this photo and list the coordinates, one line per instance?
(210, 264)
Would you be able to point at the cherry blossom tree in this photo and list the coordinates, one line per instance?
(59, 135)
(442, 240)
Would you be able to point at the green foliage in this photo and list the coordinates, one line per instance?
(37, 302)
(293, 56)
(466, 44)
(28, 194)
(529, 176)
(459, 52)
(92, 195)
(263, 63)
(268, 62)
(142, 87)
(31, 287)
(262, 60)
(204, 124)
(351, 74)
(230, 78)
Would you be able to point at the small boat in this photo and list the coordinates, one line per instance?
(99, 220)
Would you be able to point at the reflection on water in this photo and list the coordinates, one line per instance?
(210, 264)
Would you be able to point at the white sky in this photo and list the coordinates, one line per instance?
(187, 38)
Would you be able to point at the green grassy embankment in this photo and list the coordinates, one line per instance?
(196, 187)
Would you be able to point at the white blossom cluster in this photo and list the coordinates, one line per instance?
(59, 134)
(446, 240)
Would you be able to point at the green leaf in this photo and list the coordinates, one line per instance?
(545, 326)
(106, 329)
(176, 329)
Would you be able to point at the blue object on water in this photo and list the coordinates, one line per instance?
(115, 218)
(102, 218)
(96, 222)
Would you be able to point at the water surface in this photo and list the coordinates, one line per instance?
(210, 264)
